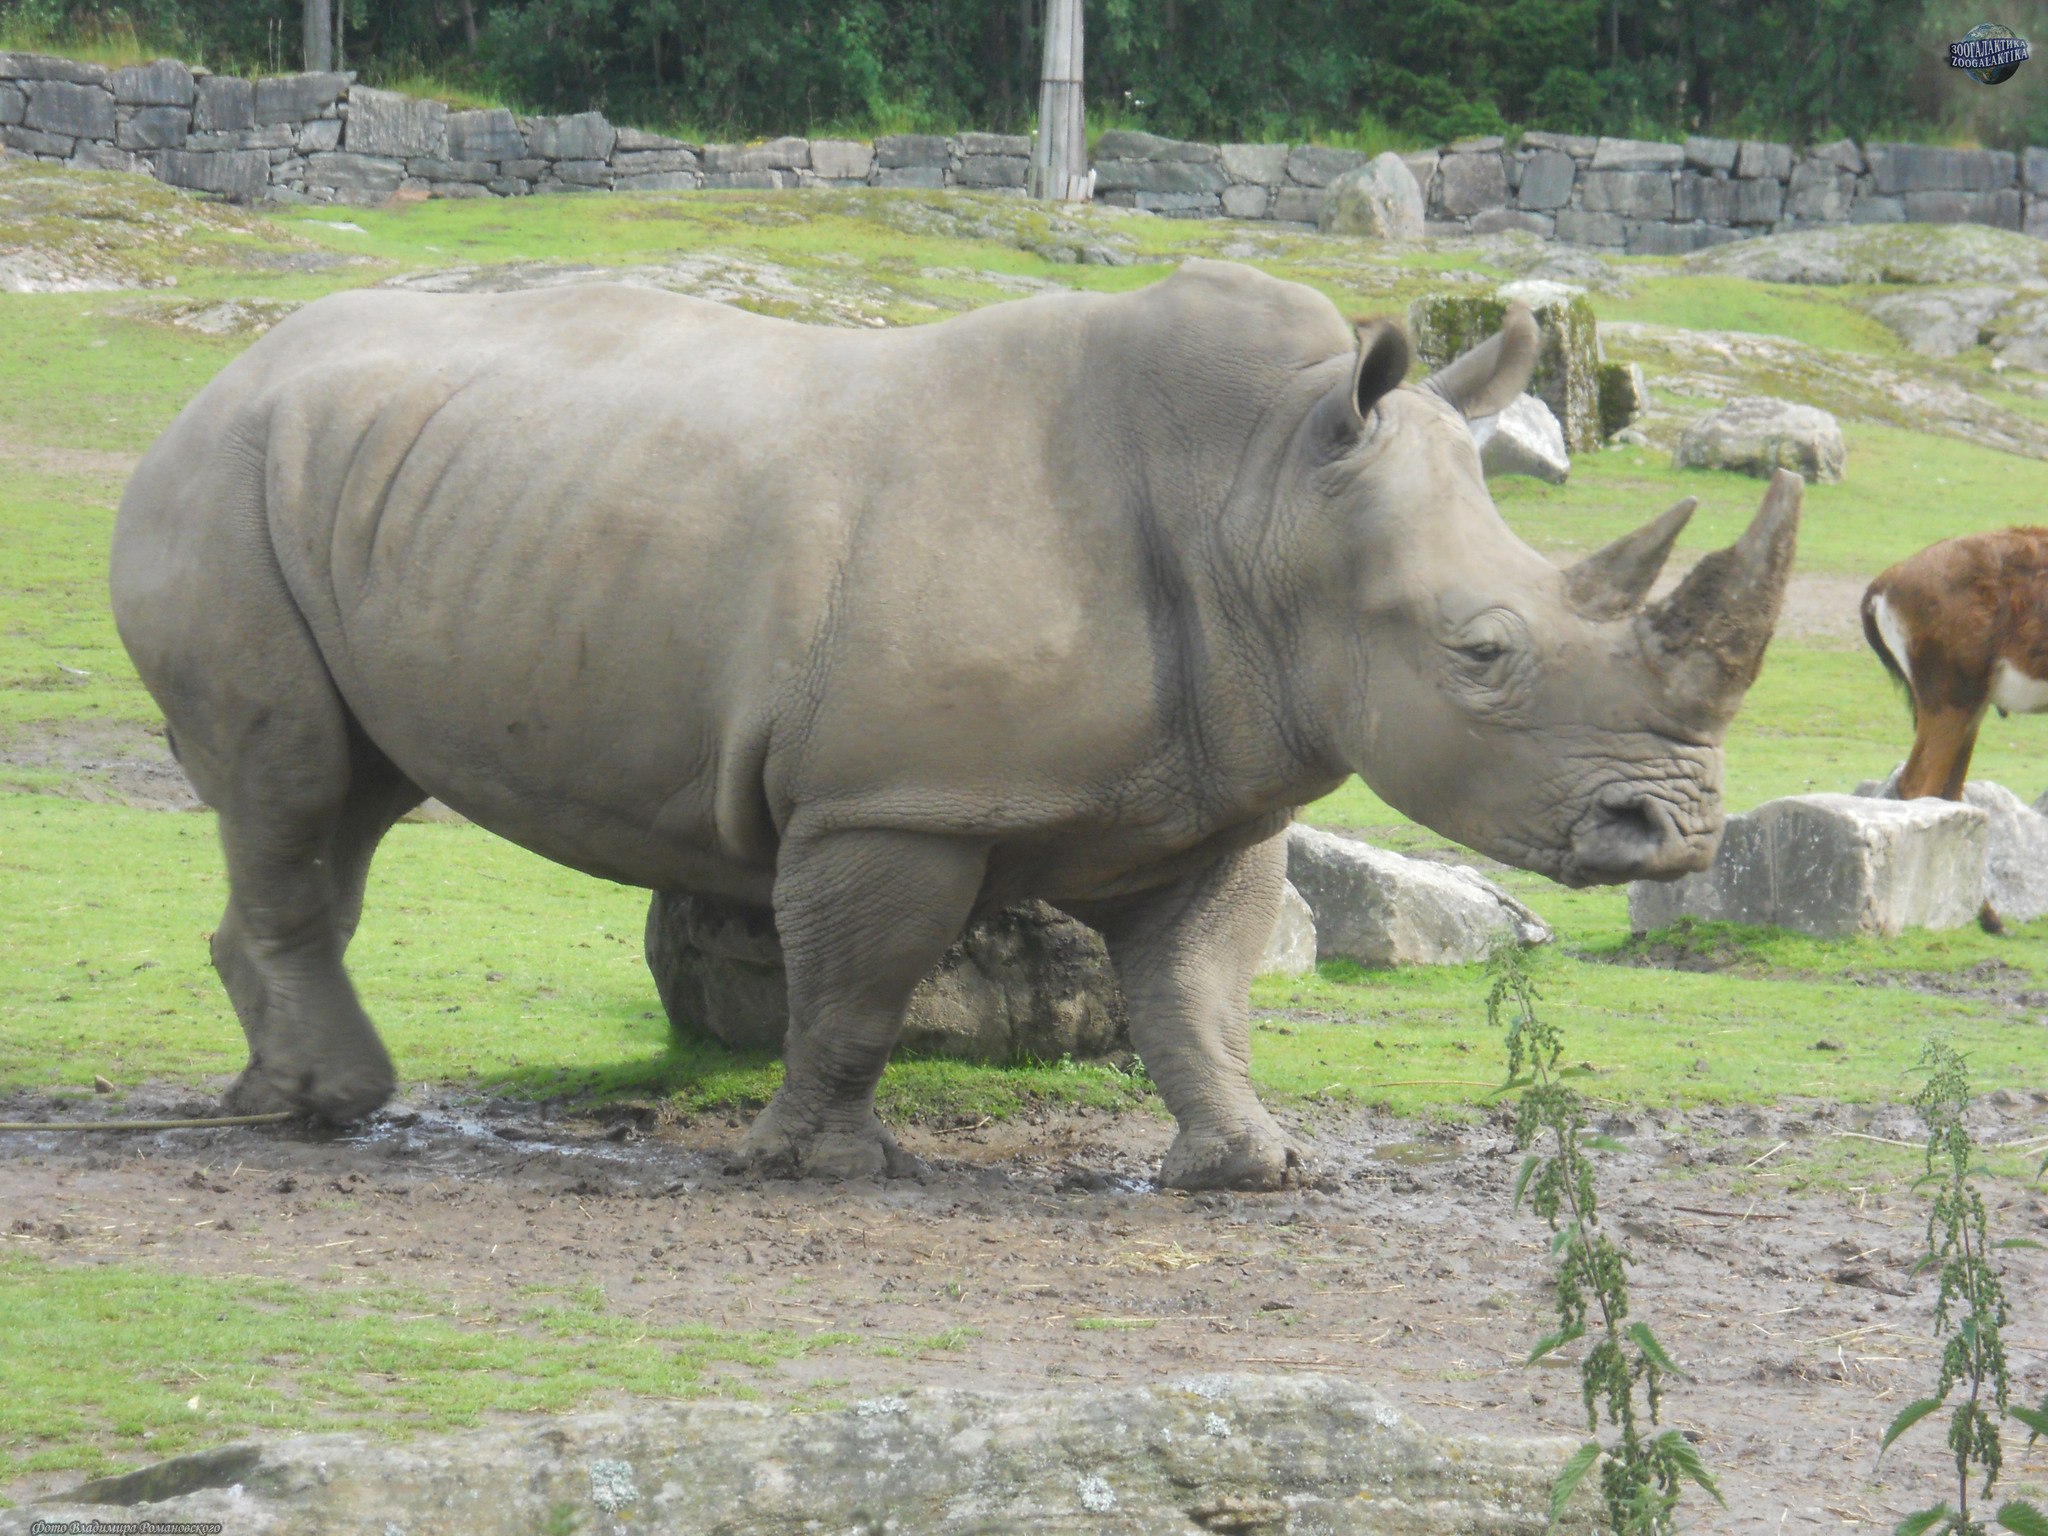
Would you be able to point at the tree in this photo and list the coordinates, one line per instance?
(319, 34)
(1059, 159)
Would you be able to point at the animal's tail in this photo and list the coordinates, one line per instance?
(1873, 632)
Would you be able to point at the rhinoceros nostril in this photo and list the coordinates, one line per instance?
(1630, 835)
(1634, 820)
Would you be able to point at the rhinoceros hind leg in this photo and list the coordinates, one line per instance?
(863, 916)
(1185, 957)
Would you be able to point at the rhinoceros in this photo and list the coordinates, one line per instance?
(1073, 598)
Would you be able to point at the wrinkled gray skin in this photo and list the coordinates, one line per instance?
(1071, 598)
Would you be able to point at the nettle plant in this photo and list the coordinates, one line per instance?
(1969, 1308)
(1642, 1474)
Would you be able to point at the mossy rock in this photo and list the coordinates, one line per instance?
(1027, 983)
(1624, 395)
(1445, 326)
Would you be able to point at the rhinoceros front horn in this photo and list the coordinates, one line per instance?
(1610, 583)
(1707, 638)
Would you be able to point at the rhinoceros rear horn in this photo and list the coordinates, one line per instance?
(1488, 378)
(1610, 583)
(1708, 637)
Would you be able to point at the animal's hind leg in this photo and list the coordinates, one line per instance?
(298, 856)
(1939, 763)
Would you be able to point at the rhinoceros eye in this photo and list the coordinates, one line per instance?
(1490, 659)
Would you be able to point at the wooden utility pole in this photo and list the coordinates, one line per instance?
(319, 34)
(1059, 158)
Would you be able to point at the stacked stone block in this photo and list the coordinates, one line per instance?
(1662, 199)
(322, 138)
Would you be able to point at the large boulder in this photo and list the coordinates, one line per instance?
(1027, 984)
(1940, 255)
(2016, 863)
(1523, 439)
(1379, 908)
(1445, 326)
(1381, 198)
(1291, 951)
(1833, 866)
(1225, 1453)
(1941, 322)
(1756, 435)
(2020, 335)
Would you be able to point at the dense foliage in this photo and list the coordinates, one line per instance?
(1426, 70)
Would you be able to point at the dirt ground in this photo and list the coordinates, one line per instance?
(1402, 1265)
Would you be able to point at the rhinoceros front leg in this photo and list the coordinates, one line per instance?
(863, 916)
(1185, 957)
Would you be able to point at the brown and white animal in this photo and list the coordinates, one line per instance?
(1074, 598)
(1963, 626)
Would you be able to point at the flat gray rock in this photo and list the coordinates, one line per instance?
(1380, 908)
(1471, 183)
(1880, 253)
(1756, 435)
(2016, 859)
(1523, 439)
(2020, 335)
(1260, 164)
(1235, 1453)
(582, 136)
(387, 123)
(491, 133)
(1834, 866)
(1941, 322)
(842, 159)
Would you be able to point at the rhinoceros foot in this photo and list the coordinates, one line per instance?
(341, 1096)
(1252, 1157)
(780, 1145)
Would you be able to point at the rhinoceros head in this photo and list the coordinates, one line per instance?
(1549, 717)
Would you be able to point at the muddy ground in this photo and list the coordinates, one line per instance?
(1402, 1266)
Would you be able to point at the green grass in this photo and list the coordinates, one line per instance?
(1903, 491)
(104, 970)
(202, 1360)
(1824, 316)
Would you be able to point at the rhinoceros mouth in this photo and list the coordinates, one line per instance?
(1643, 831)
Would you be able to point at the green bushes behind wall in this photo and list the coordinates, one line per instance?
(1423, 70)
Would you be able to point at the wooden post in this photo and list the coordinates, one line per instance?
(1059, 156)
(318, 35)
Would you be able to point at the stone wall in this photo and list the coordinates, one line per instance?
(1660, 199)
(321, 138)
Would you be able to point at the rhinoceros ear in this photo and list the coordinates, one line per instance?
(1488, 378)
(1381, 364)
